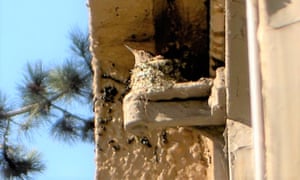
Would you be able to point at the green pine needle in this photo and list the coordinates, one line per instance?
(88, 131)
(80, 46)
(34, 86)
(40, 91)
(68, 80)
(16, 164)
(3, 118)
(66, 129)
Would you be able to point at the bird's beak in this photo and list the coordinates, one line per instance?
(130, 49)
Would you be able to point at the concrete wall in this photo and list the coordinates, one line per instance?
(181, 153)
(278, 38)
(171, 153)
(239, 131)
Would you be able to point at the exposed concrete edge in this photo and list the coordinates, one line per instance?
(146, 111)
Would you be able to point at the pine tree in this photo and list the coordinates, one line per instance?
(44, 94)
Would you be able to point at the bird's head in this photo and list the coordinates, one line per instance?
(140, 56)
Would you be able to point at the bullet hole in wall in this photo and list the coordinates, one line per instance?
(99, 147)
(133, 36)
(109, 110)
(164, 137)
(145, 141)
(104, 120)
(111, 141)
(142, 37)
(130, 140)
(114, 145)
(108, 93)
(101, 130)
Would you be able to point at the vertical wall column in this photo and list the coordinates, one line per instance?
(279, 43)
(239, 131)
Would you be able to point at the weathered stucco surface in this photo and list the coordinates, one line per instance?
(171, 153)
(239, 130)
(278, 38)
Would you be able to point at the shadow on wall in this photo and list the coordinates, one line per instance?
(183, 36)
(274, 7)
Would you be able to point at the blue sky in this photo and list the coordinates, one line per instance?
(34, 30)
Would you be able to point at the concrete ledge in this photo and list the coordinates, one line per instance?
(185, 90)
(176, 106)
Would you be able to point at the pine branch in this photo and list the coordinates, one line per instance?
(39, 94)
(69, 79)
(88, 130)
(66, 129)
(69, 113)
(14, 162)
(29, 107)
(17, 164)
(80, 46)
(6, 132)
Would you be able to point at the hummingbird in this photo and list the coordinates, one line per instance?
(153, 73)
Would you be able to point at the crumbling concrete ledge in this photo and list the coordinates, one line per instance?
(198, 103)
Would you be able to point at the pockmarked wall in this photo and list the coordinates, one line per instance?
(163, 27)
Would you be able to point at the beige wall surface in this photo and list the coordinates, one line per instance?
(238, 107)
(180, 152)
(279, 43)
(239, 130)
(171, 153)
